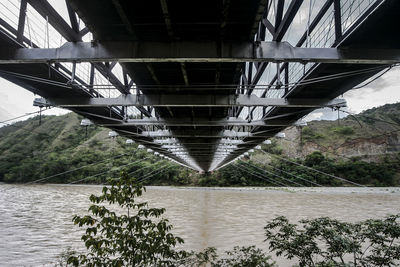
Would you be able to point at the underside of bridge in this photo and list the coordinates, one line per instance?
(200, 82)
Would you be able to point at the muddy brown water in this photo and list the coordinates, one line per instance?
(36, 226)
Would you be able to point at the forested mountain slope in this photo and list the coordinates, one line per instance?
(363, 148)
(29, 151)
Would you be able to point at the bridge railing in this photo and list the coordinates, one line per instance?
(38, 32)
(322, 35)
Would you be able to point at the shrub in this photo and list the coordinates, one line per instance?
(310, 135)
(137, 237)
(343, 130)
(329, 242)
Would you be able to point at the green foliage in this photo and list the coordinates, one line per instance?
(329, 242)
(29, 151)
(137, 237)
(121, 231)
(238, 257)
(273, 148)
(231, 175)
(383, 173)
(356, 170)
(245, 256)
(311, 135)
(202, 258)
(64, 256)
(343, 130)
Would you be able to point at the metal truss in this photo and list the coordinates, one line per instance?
(258, 111)
(196, 52)
(200, 122)
(184, 100)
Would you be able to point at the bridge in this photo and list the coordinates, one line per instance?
(199, 82)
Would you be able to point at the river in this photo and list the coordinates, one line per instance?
(36, 226)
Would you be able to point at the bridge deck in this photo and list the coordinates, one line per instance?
(209, 20)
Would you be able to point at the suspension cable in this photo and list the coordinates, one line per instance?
(79, 168)
(343, 156)
(153, 171)
(33, 131)
(22, 128)
(221, 87)
(288, 173)
(22, 116)
(104, 172)
(271, 173)
(162, 162)
(372, 118)
(58, 174)
(374, 79)
(152, 175)
(257, 172)
(260, 176)
(307, 167)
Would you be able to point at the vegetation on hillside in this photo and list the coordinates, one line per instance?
(284, 173)
(31, 152)
(49, 151)
(377, 124)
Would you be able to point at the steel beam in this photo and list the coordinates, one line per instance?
(321, 13)
(205, 153)
(72, 17)
(21, 21)
(44, 8)
(180, 122)
(279, 13)
(338, 19)
(262, 5)
(186, 51)
(202, 134)
(283, 26)
(124, 18)
(172, 141)
(268, 25)
(178, 146)
(185, 100)
(71, 34)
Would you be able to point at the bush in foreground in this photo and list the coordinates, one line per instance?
(137, 237)
(328, 242)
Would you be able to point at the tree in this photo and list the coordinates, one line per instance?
(136, 237)
(328, 242)
(238, 257)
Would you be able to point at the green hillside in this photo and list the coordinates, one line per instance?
(30, 151)
(363, 149)
(375, 126)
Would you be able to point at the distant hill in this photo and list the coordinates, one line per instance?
(368, 135)
(29, 151)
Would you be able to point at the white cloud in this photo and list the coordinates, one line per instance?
(16, 101)
(314, 116)
(384, 90)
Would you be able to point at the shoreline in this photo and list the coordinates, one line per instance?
(325, 189)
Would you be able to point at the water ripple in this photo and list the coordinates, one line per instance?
(36, 226)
